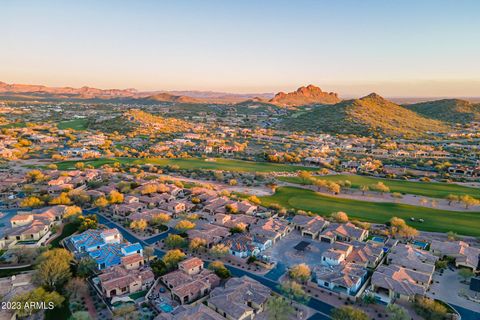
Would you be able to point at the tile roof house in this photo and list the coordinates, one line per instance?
(241, 245)
(241, 298)
(408, 256)
(367, 254)
(230, 221)
(211, 206)
(309, 226)
(393, 282)
(343, 232)
(337, 253)
(271, 228)
(191, 312)
(191, 281)
(345, 277)
(34, 225)
(12, 286)
(118, 281)
(212, 234)
(464, 254)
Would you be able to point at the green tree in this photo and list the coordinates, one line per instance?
(39, 295)
(340, 216)
(397, 312)
(197, 243)
(452, 198)
(88, 222)
(349, 313)
(465, 273)
(219, 250)
(32, 202)
(101, 202)
(115, 197)
(184, 225)
(72, 213)
(174, 241)
(294, 290)
(53, 269)
(300, 272)
(172, 258)
(86, 267)
(219, 268)
(159, 268)
(279, 309)
(63, 198)
(139, 225)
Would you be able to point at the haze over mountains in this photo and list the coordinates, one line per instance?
(310, 108)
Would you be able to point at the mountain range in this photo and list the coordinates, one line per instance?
(310, 108)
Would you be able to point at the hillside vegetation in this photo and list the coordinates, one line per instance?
(448, 110)
(368, 115)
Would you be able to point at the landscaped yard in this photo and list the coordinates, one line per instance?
(77, 124)
(67, 231)
(196, 163)
(465, 223)
(427, 189)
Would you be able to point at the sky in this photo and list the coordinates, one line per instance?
(395, 48)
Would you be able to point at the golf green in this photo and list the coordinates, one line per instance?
(466, 223)
(427, 189)
(195, 163)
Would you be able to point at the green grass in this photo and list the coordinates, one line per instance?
(139, 294)
(14, 125)
(465, 223)
(67, 231)
(195, 163)
(77, 124)
(427, 189)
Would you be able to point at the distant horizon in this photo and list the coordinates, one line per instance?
(393, 48)
(213, 91)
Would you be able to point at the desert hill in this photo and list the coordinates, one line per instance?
(368, 115)
(305, 96)
(448, 110)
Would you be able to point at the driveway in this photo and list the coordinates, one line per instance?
(323, 309)
(283, 251)
(447, 290)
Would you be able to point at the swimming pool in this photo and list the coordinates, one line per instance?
(378, 239)
(420, 244)
(165, 307)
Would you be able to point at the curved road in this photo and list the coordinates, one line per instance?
(323, 309)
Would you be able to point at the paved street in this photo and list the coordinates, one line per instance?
(321, 307)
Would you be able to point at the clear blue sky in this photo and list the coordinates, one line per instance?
(396, 48)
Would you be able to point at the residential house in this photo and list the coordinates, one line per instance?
(465, 255)
(119, 281)
(94, 239)
(271, 228)
(345, 278)
(337, 254)
(241, 298)
(212, 234)
(343, 232)
(408, 256)
(191, 312)
(309, 226)
(393, 282)
(191, 281)
(241, 245)
(367, 254)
